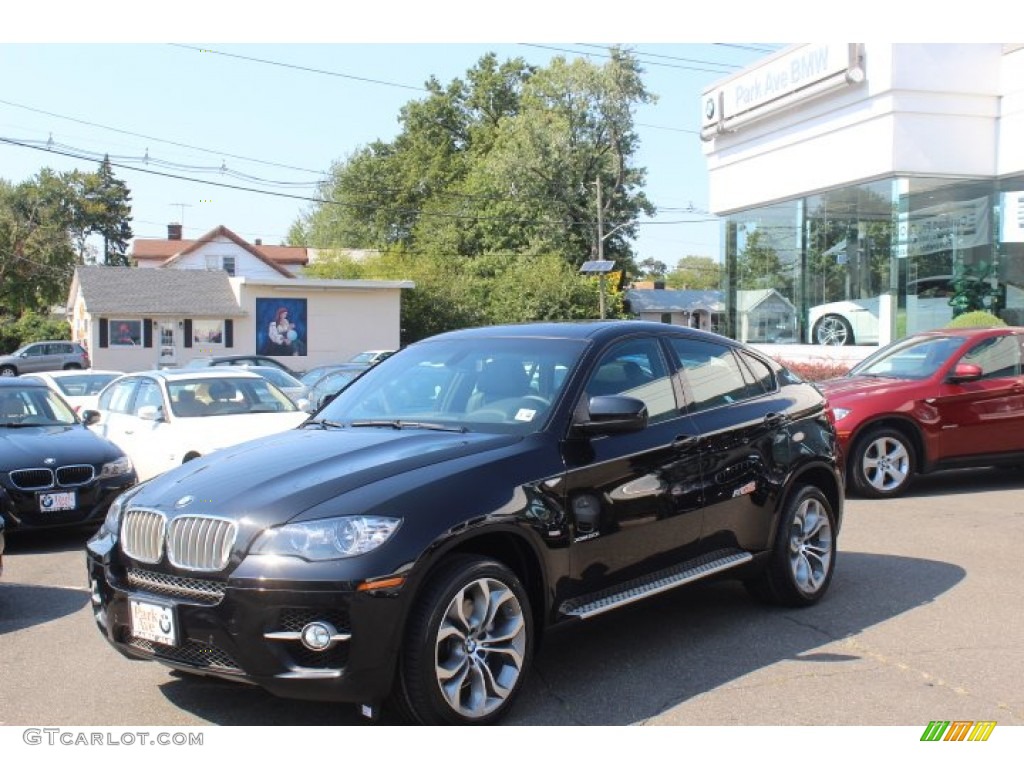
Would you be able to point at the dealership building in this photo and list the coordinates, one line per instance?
(879, 188)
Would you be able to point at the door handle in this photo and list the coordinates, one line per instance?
(684, 441)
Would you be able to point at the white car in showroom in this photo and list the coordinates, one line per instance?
(856, 321)
(161, 419)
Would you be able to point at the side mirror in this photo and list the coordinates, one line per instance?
(90, 417)
(965, 372)
(150, 413)
(612, 415)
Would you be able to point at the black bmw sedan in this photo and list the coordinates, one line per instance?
(53, 470)
(411, 542)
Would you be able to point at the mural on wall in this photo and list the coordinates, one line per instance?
(281, 326)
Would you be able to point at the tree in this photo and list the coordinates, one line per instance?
(36, 255)
(699, 273)
(491, 179)
(104, 209)
(652, 269)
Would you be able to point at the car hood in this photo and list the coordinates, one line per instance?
(274, 479)
(848, 389)
(25, 447)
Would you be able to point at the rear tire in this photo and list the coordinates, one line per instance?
(468, 645)
(804, 558)
(72, 367)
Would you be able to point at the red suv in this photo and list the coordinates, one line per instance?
(936, 400)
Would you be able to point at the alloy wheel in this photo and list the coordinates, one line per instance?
(480, 648)
(810, 546)
(832, 331)
(886, 464)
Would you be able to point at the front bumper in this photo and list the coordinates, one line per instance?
(21, 510)
(247, 631)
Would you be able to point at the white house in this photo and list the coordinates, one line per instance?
(134, 319)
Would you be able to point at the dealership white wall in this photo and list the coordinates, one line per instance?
(936, 110)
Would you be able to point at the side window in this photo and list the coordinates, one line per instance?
(998, 357)
(762, 377)
(36, 350)
(712, 374)
(148, 394)
(637, 369)
(117, 398)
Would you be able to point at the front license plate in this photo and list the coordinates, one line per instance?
(55, 502)
(154, 622)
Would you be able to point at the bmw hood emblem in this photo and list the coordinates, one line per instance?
(184, 501)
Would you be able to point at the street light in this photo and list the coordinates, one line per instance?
(601, 268)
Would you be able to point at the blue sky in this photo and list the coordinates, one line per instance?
(190, 110)
(152, 87)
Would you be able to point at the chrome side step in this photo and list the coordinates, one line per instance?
(622, 594)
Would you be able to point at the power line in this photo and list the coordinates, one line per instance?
(637, 52)
(154, 138)
(608, 56)
(299, 67)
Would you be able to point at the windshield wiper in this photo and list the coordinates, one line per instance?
(323, 423)
(398, 424)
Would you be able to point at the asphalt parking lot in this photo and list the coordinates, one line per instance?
(921, 623)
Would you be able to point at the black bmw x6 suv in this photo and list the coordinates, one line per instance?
(412, 540)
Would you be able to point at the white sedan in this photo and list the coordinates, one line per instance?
(161, 419)
(80, 388)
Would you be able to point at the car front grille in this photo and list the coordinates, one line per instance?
(75, 474)
(182, 587)
(31, 479)
(142, 535)
(192, 542)
(191, 653)
(41, 478)
(200, 543)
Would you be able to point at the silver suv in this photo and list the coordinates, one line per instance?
(44, 356)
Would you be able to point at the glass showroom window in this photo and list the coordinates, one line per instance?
(1010, 263)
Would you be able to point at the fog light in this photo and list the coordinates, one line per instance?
(318, 635)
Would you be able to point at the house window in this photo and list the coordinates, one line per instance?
(126, 333)
(217, 263)
(206, 332)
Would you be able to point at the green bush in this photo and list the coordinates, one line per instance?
(15, 333)
(976, 319)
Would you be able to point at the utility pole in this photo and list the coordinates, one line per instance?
(600, 242)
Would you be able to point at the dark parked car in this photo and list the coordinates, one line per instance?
(44, 356)
(53, 470)
(331, 382)
(415, 539)
(935, 400)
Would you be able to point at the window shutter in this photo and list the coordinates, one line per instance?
(147, 333)
(188, 334)
(229, 333)
(104, 332)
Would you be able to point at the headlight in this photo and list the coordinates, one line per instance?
(113, 519)
(330, 539)
(841, 413)
(116, 467)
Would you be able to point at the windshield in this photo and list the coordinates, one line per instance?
(913, 358)
(33, 407)
(278, 377)
(479, 384)
(84, 384)
(226, 396)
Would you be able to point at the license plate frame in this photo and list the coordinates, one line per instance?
(57, 501)
(154, 621)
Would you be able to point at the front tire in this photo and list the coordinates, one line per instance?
(468, 645)
(882, 464)
(8, 370)
(801, 565)
(834, 331)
